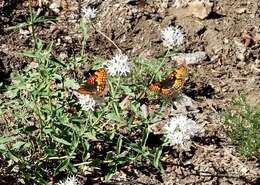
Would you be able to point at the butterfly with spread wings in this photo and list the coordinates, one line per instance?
(172, 83)
(95, 83)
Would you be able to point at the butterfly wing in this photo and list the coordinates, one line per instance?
(181, 72)
(95, 83)
(172, 83)
(101, 82)
(164, 87)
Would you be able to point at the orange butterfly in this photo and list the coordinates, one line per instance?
(96, 83)
(172, 83)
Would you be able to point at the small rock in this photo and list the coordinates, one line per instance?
(24, 32)
(124, 103)
(192, 58)
(244, 170)
(180, 3)
(55, 6)
(144, 110)
(68, 39)
(240, 49)
(34, 65)
(241, 57)
(214, 41)
(226, 41)
(190, 26)
(240, 10)
(200, 9)
(63, 56)
(241, 64)
(184, 105)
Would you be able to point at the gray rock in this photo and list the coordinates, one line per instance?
(192, 58)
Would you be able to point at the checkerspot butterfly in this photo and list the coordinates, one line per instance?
(95, 83)
(172, 83)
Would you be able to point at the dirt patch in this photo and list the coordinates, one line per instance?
(232, 69)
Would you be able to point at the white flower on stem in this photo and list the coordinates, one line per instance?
(179, 131)
(118, 65)
(88, 12)
(172, 37)
(86, 102)
(69, 181)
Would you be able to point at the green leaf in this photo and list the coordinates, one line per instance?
(47, 130)
(62, 166)
(3, 147)
(72, 168)
(128, 91)
(86, 147)
(57, 77)
(157, 157)
(110, 173)
(113, 116)
(7, 139)
(145, 137)
(109, 156)
(21, 144)
(59, 140)
(13, 156)
(90, 136)
(119, 145)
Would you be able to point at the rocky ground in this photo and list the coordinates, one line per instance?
(228, 32)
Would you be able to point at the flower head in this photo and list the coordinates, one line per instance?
(179, 130)
(88, 12)
(69, 181)
(118, 65)
(86, 101)
(172, 37)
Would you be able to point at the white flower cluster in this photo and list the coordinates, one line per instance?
(86, 102)
(118, 65)
(179, 131)
(172, 37)
(69, 181)
(88, 12)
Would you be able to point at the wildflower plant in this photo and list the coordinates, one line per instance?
(172, 37)
(179, 131)
(118, 65)
(32, 20)
(244, 128)
(55, 130)
(72, 180)
(86, 102)
(88, 12)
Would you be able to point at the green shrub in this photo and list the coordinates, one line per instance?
(244, 122)
(45, 131)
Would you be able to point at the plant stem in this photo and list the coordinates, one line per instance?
(32, 24)
(159, 67)
(104, 35)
